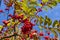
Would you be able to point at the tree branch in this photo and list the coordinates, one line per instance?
(9, 36)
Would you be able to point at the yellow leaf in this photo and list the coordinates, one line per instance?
(53, 31)
(13, 23)
(17, 22)
(45, 1)
(20, 14)
(1, 27)
(17, 10)
(32, 0)
(58, 30)
(8, 24)
(24, 6)
(24, 17)
(40, 5)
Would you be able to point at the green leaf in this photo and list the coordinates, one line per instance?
(46, 20)
(41, 19)
(53, 31)
(54, 3)
(1, 27)
(55, 23)
(49, 21)
(58, 30)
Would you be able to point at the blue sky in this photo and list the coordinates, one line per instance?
(54, 13)
(3, 16)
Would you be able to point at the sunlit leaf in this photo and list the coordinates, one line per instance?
(44, 1)
(58, 30)
(41, 19)
(55, 23)
(53, 31)
(1, 27)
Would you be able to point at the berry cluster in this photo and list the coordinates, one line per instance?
(27, 26)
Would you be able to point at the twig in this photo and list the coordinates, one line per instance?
(9, 36)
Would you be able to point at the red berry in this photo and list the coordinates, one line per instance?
(48, 33)
(21, 16)
(7, 9)
(34, 32)
(27, 26)
(46, 37)
(12, 26)
(0, 32)
(26, 20)
(10, 15)
(1, 10)
(39, 10)
(5, 22)
(22, 39)
(13, 17)
(31, 36)
(16, 16)
(41, 34)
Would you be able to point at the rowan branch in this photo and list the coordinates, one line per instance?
(9, 36)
